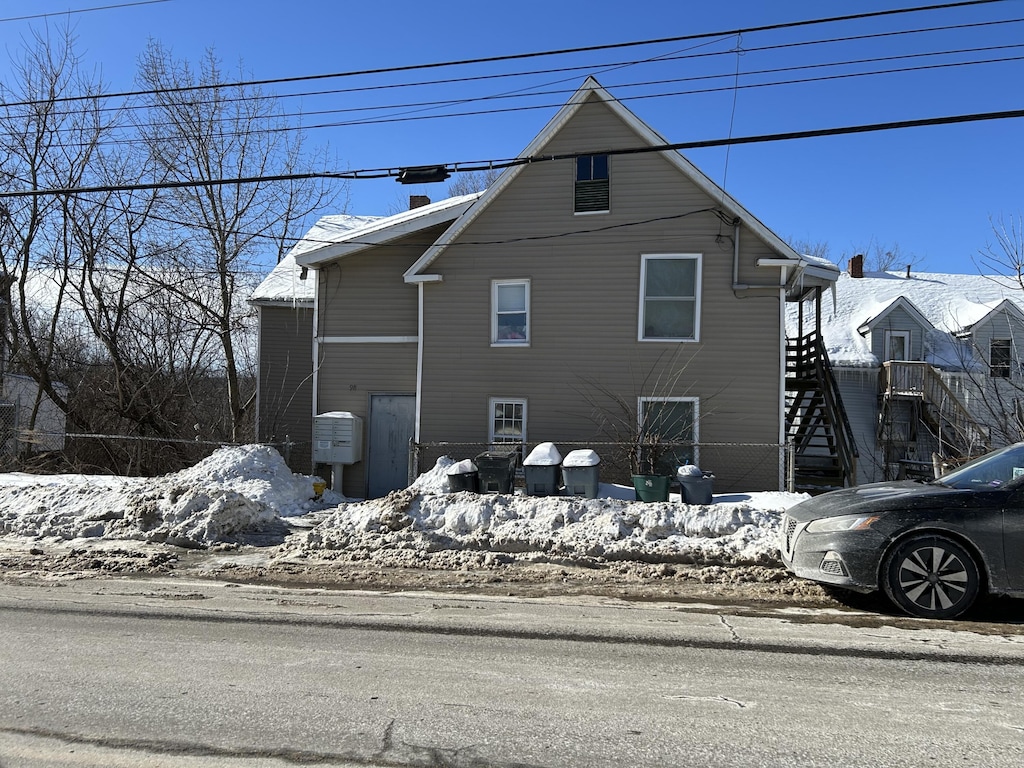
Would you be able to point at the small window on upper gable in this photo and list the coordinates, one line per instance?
(592, 184)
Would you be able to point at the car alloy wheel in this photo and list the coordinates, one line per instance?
(932, 577)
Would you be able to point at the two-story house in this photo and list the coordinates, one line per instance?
(601, 272)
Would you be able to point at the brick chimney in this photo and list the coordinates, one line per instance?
(418, 201)
(856, 266)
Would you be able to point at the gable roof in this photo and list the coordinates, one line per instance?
(813, 269)
(900, 302)
(985, 312)
(387, 229)
(950, 303)
(284, 284)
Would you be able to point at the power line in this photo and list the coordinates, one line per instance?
(478, 165)
(532, 54)
(83, 10)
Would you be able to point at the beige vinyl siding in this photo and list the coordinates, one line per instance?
(365, 295)
(285, 406)
(349, 373)
(584, 303)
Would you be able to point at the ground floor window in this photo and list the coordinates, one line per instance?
(508, 421)
(668, 427)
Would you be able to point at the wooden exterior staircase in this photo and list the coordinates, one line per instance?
(933, 405)
(824, 450)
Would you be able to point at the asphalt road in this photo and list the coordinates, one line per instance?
(169, 673)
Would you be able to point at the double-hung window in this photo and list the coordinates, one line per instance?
(1000, 358)
(592, 184)
(510, 312)
(508, 421)
(670, 297)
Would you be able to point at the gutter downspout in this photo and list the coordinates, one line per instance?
(316, 346)
(419, 360)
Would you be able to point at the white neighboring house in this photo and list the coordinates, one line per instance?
(16, 405)
(926, 364)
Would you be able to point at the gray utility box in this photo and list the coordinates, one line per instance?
(337, 438)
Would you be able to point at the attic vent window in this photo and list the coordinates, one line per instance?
(592, 184)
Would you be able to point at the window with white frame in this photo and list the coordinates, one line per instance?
(671, 424)
(670, 297)
(897, 345)
(510, 314)
(508, 421)
(592, 189)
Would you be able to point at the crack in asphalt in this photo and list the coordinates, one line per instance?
(732, 630)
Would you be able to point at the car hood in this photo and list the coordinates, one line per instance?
(867, 499)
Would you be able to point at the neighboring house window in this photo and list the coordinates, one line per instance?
(508, 421)
(897, 345)
(670, 420)
(670, 297)
(510, 317)
(1000, 358)
(592, 184)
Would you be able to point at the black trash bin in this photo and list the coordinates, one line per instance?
(497, 470)
(695, 485)
(542, 471)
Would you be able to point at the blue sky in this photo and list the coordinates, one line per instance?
(932, 191)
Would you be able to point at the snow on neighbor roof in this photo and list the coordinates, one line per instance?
(284, 283)
(949, 303)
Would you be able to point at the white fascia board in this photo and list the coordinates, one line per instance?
(424, 278)
(389, 229)
(296, 303)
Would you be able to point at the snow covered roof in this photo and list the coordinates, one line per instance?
(284, 284)
(387, 229)
(949, 303)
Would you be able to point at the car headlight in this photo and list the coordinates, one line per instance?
(841, 523)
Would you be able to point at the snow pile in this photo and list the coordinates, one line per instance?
(244, 491)
(544, 455)
(740, 529)
(234, 491)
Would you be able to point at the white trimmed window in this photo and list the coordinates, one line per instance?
(670, 297)
(508, 421)
(671, 420)
(510, 313)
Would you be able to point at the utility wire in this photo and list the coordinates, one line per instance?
(470, 166)
(83, 10)
(537, 54)
(224, 134)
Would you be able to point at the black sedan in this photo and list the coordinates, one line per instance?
(932, 547)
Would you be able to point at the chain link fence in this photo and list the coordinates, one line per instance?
(125, 455)
(737, 467)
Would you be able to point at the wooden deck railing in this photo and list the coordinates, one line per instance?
(901, 378)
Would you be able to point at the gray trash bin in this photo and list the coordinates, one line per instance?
(542, 471)
(695, 484)
(580, 474)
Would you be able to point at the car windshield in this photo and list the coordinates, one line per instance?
(993, 470)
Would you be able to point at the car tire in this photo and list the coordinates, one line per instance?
(931, 577)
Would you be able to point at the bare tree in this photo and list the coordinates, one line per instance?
(199, 132)
(472, 181)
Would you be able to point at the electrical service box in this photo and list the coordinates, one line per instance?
(337, 438)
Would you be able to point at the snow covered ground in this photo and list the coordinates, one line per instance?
(249, 489)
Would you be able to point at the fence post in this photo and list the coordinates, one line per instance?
(288, 450)
(790, 448)
(414, 461)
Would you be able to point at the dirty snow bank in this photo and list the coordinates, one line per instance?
(738, 529)
(233, 491)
